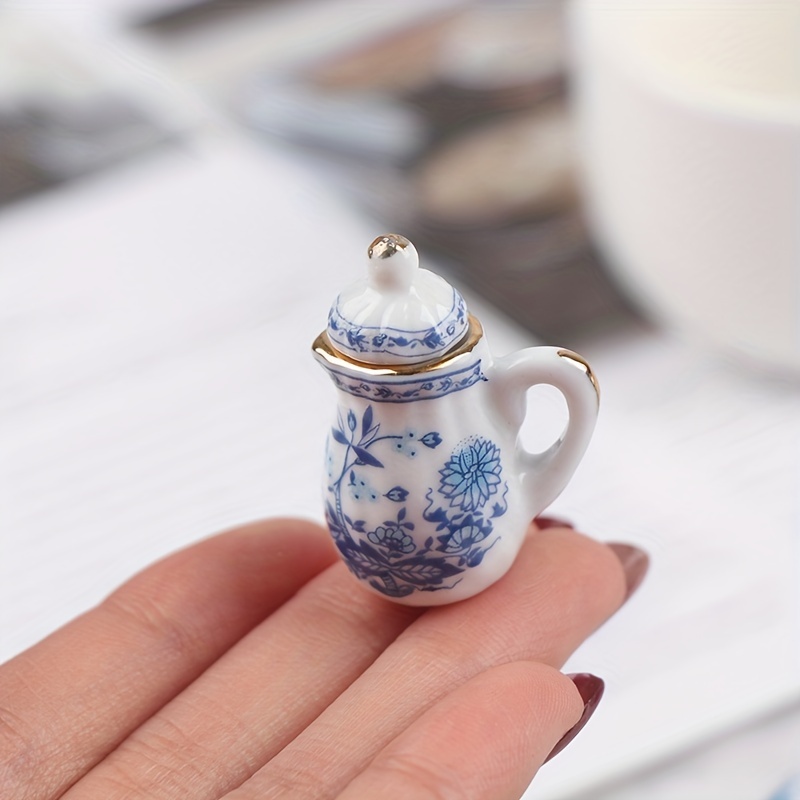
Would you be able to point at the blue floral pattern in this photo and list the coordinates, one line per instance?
(359, 340)
(361, 490)
(472, 474)
(393, 538)
(393, 557)
(408, 391)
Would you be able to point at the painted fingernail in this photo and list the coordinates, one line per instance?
(591, 690)
(635, 563)
(552, 522)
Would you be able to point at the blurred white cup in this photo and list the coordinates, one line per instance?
(688, 119)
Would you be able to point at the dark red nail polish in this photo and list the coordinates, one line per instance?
(635, 562)
(591, 690)
(552, 522)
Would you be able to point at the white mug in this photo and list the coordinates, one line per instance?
(688, 118)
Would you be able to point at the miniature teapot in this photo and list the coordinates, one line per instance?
(428, 491)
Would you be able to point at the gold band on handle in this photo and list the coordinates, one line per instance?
(582, 364)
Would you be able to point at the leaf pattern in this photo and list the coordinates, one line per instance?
(339, 436)
(365, 458)
(397, 495)
(366, 422)
(431, 440)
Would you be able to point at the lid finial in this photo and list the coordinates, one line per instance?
(393, 263)
(398, 313)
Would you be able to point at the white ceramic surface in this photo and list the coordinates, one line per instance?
(398, 313)
(689, 126)
(428, 491)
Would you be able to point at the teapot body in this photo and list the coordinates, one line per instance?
(428, 492)
(422, 487)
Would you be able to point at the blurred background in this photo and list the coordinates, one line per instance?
(184, 185)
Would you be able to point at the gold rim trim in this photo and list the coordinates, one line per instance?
(582, 364)
(324, 349)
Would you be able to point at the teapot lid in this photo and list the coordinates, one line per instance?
(398, 313)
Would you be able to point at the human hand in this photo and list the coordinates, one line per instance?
(251, 665)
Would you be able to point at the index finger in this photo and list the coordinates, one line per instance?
(70, 700)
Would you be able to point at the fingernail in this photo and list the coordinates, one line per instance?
(635, 563)
(552, 522)
(591, 690)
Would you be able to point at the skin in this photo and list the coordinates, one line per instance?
(251, 665)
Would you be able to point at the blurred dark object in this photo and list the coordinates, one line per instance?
(183, 15)
(456, 133)
(448, 124)
(45, 144)
(463, 65)
(60, 116)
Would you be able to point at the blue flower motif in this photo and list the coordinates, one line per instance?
(392, 538)
(464, 537)
(388, 557)
(472, 475)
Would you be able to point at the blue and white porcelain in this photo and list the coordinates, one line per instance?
(428, 490)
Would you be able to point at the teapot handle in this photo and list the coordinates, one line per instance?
(544, 475)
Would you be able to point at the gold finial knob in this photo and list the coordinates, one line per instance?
(386, 246)
(393, 262)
